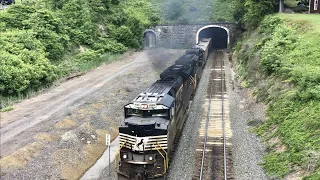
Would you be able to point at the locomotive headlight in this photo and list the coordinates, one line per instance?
(125, 156)
(150, 158)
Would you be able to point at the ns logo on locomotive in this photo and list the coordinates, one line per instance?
(155, 118)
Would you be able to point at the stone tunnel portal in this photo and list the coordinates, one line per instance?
(218, 34)
(149, 39)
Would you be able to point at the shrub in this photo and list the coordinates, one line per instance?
(23, 63)
(38, 33)
(108, 45)
(87, 56)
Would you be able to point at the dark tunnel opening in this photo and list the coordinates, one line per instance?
(219, 37)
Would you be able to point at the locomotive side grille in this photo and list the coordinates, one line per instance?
(137, 143)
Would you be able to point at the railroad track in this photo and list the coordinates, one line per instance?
(214, 154)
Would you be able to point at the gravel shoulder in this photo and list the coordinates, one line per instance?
(61, 133)
(247, 150)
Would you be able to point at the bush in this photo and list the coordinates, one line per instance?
(15, 16)
(87, 56)
(37, 34)
(300, 9)
(23, 63)
(108, 45)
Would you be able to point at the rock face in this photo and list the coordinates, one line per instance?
(185, 36)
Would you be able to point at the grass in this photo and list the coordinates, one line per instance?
(21, 157)
(104, 59)
(289, 78)
(8, 108)
(310, 19)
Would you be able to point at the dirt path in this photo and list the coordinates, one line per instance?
(79, 112)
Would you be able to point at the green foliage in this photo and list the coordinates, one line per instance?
(109, 46)
(247, 13)
(50, 31)
(183, 11)
(8, 108)
(23, 63)
(39, 36)
(174, 10)
(290, 64)
(300, 9)
(228, 11)
(256, 10)
(277, 164)
(87, 56)
(16, 15)
(314, 176)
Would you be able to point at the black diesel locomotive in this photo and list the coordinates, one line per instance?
(155, 117)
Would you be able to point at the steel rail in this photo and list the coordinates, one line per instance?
(223, 123)
(205, 137)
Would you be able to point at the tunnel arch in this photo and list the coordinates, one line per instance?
(223, 38)
(150, 38)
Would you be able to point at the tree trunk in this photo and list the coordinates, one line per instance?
(281, 6)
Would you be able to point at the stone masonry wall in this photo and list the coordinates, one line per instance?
(183, 36)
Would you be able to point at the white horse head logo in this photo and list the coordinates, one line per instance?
(140, 142)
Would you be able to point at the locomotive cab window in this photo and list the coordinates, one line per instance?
(147, 113)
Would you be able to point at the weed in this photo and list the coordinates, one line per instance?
(8, 108)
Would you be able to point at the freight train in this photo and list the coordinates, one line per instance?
(155, 118)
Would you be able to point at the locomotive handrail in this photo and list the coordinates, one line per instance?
(118, 153)
(166, 154)
(194, 81)
(165, 159)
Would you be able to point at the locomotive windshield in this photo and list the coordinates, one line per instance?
(147, 113)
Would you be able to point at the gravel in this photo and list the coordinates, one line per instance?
(246, 147)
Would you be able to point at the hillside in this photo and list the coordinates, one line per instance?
(43, 41)
(280, 61)
(190, 11)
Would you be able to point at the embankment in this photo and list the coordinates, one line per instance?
(280, 61)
